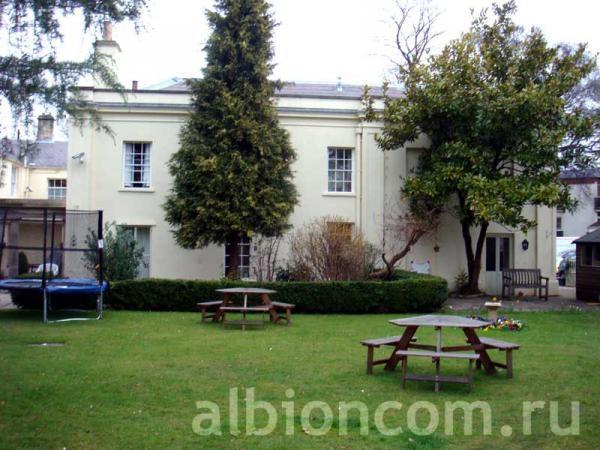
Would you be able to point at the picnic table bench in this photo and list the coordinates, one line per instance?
(287, 307)
(503, 346)
(436, 356)
(213, 306)
(372, 344)
(524, 278)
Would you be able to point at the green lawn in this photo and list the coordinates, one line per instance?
(132, 380)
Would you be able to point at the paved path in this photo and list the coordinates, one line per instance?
(565, 301)
(5, 301)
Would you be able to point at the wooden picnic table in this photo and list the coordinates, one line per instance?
(438, 322)
(230, 293)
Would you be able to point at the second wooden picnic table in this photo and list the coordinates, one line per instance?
(439, 321)
(437, 352)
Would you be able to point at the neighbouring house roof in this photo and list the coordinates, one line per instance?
(590, 238)
(291, 89)
(578, 174)
(51, 154)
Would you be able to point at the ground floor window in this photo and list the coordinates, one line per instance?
(244, 263)
(497, 253)
(141, 235)
(590, 254)
(342, 229)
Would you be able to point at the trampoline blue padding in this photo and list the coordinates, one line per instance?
(56, 285)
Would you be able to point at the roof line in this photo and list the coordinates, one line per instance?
(187, 92)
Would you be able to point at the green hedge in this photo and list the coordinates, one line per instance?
(410, 294)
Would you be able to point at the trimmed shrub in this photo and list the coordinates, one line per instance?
(422, 293)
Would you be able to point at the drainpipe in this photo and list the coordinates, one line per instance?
(27, 178)
(359, 175)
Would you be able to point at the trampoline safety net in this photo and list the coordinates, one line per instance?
(46, 249)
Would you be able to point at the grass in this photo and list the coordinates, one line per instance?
(133, 379)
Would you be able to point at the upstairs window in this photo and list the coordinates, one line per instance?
(339, 170)
(136, 166)
(57, 189)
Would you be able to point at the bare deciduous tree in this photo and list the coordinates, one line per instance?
(414, 23)
(328, 249)
(400, 231)
(585, 97)
(264, 259)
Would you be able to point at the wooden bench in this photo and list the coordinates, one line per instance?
(212, 305)
(524, 278)
(223, 310)
(436, 357)
(372, 344)
(288, 311)
(503, 346)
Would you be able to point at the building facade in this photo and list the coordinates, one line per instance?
(35, 170)
(339, 171)
(584, 186)
(34, 175)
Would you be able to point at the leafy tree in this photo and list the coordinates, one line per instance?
(31, 74)
(232, 175)
(122, 255)
(494, 105)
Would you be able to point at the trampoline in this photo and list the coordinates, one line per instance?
(70, 241)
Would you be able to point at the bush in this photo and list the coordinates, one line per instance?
(330, 249)
(422, 293)
(122, 255)
(23, 263)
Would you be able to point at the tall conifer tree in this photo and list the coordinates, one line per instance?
(232, 176)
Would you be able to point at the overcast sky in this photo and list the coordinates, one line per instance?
(317, 40)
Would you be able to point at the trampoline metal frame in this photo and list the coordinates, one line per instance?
(99, 309)
(44, 286)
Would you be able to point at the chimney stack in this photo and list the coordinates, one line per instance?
(107, 30)
(109, 49)
(134, 85)
(45, 131)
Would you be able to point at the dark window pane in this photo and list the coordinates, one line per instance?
(490, 254)
(504, 253)
(587, 254)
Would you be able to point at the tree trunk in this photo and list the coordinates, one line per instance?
(473, 257)
(234, 257)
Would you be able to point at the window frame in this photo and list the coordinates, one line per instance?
(147, 252)
(595, 255)
(352, 171)
(244, 243)
(56, 188)
(148, 146)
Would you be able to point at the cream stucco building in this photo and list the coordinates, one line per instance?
(39, 173)
(339, 171)
(33, 175)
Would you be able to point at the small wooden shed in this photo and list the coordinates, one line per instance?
(588, 266)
